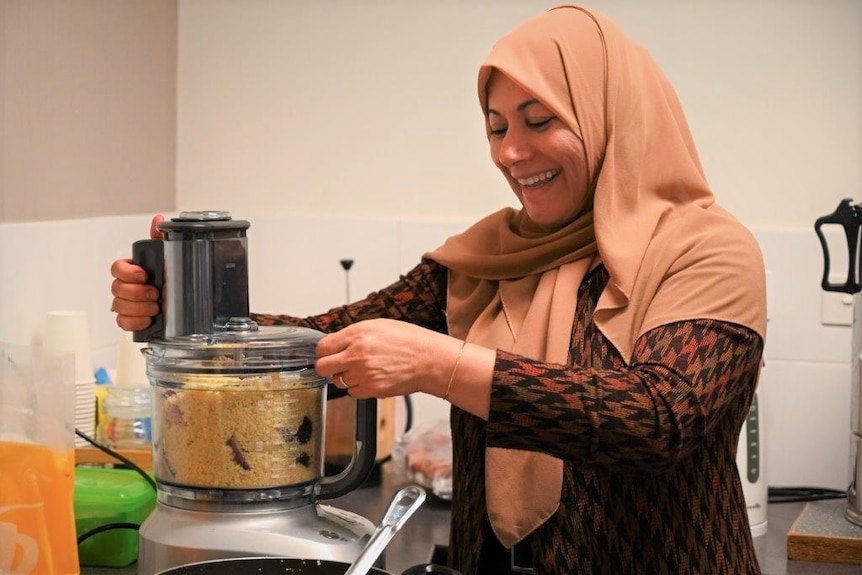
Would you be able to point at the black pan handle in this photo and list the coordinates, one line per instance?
(848, 217)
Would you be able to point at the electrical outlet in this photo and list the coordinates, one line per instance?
(836, 308)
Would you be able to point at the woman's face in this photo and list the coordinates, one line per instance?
(541, 157)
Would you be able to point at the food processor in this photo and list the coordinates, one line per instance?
(238, 415)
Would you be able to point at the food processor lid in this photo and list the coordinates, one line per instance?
(202, 224)
(245, 332)
(241, 346)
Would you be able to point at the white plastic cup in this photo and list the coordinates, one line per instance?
(131, 367)
(69, 331)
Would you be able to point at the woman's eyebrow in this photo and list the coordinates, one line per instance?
(521, 107)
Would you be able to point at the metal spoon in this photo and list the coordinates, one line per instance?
(403, 505)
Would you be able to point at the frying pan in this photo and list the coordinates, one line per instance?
(403, 505)
(289, 566)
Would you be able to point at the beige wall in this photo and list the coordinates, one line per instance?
(338, 108)
(88, 108)
(368, 108)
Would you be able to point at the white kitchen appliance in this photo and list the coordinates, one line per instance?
(751, 461)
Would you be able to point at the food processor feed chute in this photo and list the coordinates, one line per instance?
(201, 267)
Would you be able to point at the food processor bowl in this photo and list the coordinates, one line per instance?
(237, 415)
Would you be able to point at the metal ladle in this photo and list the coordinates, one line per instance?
(403, 505)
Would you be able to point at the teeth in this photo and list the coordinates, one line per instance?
(544, 176)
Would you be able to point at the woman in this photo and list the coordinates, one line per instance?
(600, 347)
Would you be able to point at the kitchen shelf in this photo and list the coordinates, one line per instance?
(143, 458)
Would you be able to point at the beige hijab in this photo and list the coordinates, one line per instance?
(671, 252)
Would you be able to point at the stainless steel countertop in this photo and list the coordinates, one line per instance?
(430, 526)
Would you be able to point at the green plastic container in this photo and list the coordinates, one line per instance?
(104, 496)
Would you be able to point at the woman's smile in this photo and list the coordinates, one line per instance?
(538, 180)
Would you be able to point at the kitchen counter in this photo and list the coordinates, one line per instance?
(429, 527)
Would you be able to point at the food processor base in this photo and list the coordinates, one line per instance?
(171, 536)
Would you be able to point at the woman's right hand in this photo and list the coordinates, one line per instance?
(135, 302)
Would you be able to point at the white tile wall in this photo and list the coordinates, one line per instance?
(805, 389)
(63, 265)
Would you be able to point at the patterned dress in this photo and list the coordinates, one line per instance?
(650, 482)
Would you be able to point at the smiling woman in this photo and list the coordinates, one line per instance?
(576, 338)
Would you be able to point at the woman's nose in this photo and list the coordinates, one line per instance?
(514, 149)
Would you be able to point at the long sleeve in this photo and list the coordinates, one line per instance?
(684, 379)
(418, 296)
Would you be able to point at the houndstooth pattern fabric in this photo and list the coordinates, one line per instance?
(650, 482)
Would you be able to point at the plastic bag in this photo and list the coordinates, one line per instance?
(37, 462)
(423, 456)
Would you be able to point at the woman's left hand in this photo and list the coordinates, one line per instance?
(385, 358)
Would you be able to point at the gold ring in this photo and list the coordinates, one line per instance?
(341, 379)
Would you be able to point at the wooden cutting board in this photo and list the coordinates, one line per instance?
(341, 428)
(821, 533)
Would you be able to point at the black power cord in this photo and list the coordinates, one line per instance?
(107, 527)
(122, 458)
(795, 494)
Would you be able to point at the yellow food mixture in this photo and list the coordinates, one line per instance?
(238, 433)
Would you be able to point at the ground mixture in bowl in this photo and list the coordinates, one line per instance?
(230, 432)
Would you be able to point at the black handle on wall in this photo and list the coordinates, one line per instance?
(848, 217)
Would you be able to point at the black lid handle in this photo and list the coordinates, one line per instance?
(848, 217)
(150, 255)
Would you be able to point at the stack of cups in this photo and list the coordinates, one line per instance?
(127, 404)
(69, 331)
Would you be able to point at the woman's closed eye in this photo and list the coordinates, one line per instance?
(498, 131)
(540, 123)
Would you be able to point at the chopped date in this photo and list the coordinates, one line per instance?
(302, 435)
(238, 455)
(167, 464)
(174, 415)
(304, 459)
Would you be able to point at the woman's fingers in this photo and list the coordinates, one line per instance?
(374, 358)
(154, 231)
(134, 302)
(133, 323)
(126, 270)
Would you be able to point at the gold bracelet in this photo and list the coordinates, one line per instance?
(454, 369)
